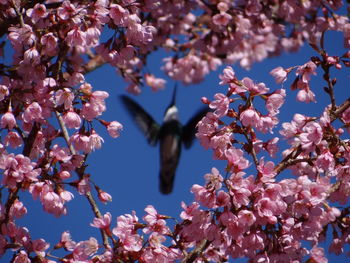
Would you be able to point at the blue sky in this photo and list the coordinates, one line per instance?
(128, 168)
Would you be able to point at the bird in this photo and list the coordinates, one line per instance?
(171, 134)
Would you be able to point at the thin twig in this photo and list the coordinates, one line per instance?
(197, 252)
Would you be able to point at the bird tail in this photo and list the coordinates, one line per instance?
(166, 181)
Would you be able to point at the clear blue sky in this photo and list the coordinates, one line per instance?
(127, 167)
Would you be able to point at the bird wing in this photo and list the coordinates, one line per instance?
(189, 130)
(148, 126)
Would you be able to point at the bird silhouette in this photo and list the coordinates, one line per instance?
(171, 134)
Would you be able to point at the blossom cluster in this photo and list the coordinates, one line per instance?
(49, 112)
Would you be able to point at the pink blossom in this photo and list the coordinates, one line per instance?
(119, 15)
(84, 249)
(17, 209)
(311, 135)
(64, 96)
(272, 147)
(317, 254)
(104, 196)
(66, 11)
(76, 37)
(306, 95)
(22, 257)
(13, 139)
(280, 74)
(8, 120)
(32, 113)
(155, 83)
(204, 196)
(72, 120)
(81, 142)
(104, 222)
(246, 217)
(36, 13)
(84, 185)
(254, 89)
(60, 154)
(125, 230)
(66, 241)
(228, 77)
(155, 222)
(325, 161)
(236, 158)
(113, 129)
(49, 44)
(275, 101)
(127, 53)
(31, 56)
(64, 175)
(4, 91)
(266, 170)
(250, 117)
(220, 104)
(95, 141)
(214, 179)
(221, 19)
(306, 70)
(39, 246)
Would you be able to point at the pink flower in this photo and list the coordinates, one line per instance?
(39, 246)
(228, 77)
(84, 249)
(272, 147)
(236, 158)
(32, 113)
(76, 37)
(95, 141)
(306, 95)
(317, 255)
(72, 120)
(22, 257)
(250, 117)
(84, 185)
(8, 120)
(125, 230)
(13, 139)
(60, 154)
(311, 136)
(280, 74)
(81, 142)
(221, 19)
(214, 179)
(220, 104)
(104, 196)
(66, 241)
(102, 223)
(64, 96)
(155, 222)
(119, 15)
(155, 83)
(275, 101)
(66, 11)
(306, 70)
(49, 44)
(325, 162)
(204, 196)
(254, 89)
(4, 91)
(17, 209)
(267, 171)
(113, 129)
(31, 56)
